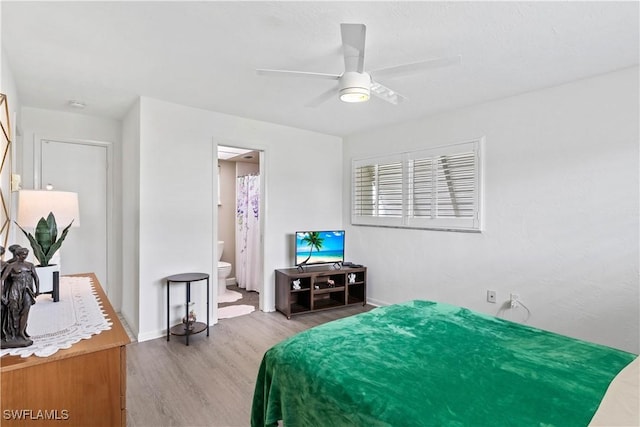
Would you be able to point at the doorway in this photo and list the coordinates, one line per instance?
(240, 223)
(81, 167)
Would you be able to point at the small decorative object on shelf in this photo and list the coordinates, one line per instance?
(189, 321)
(331, 283)
(296, 284)
(352, 278)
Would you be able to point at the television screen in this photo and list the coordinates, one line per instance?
(319, 247)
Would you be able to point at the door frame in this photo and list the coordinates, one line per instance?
(261, 149)
(38, 140)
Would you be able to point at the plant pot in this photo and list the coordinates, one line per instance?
(48, 284)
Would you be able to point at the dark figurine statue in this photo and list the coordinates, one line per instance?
(20, 287)
(13, 249)
(3, 311)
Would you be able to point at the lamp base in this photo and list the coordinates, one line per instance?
(49, 280)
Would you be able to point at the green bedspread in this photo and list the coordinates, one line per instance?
(429, 364)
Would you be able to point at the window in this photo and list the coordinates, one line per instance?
(436, 188)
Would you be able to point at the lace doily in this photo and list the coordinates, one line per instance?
(58, 325)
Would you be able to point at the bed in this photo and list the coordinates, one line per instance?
(423, 363)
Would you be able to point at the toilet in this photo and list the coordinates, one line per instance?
(224, 269)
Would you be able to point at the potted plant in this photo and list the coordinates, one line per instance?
(45, 243)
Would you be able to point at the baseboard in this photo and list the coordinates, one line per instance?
(231, 281)
(132, 332)
(376, 303)
(146, 336)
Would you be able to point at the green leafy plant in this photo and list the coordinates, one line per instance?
(45, 243)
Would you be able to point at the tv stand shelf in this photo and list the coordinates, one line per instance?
(321, 288)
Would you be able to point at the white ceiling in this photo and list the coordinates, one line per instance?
(204, 54)
(234, 154)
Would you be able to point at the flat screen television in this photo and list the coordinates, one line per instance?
(319, 247)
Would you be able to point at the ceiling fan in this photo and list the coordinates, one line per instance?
(356, 85)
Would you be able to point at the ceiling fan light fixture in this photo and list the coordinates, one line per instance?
(354, 87)
(354, 94)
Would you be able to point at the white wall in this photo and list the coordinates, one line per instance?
(130, 257)
(227, 213)
(8, 87)
(561, 212)
(176, 211)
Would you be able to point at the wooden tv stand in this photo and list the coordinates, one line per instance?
(84, 385)
(317, 292)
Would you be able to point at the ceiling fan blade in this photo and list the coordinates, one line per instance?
(287, 73)
(386, 94)
(416, 67)
(353, 37)
(323, 97)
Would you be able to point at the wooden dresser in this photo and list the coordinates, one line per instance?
(84, 385)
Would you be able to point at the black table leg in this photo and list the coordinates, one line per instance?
(208, 306)
(187, 315)
(56, 286)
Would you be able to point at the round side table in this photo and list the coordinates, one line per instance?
(181, 328)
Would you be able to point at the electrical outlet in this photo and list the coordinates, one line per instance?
(515, 300)
(491, 296)
(16, 182)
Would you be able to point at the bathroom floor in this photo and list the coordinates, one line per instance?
(248, 297)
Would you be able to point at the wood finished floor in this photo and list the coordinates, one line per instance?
(209, 383)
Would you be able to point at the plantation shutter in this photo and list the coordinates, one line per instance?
(389, 190)
(421, 187)
(364, 190)
(378, 191)
(455, 184)
(435, 188)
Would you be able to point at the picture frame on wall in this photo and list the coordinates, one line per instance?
(5, 171)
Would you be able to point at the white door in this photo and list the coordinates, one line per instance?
(82, 168)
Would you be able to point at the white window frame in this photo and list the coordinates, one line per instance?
(466, 218)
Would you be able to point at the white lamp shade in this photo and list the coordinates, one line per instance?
(36, 204)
